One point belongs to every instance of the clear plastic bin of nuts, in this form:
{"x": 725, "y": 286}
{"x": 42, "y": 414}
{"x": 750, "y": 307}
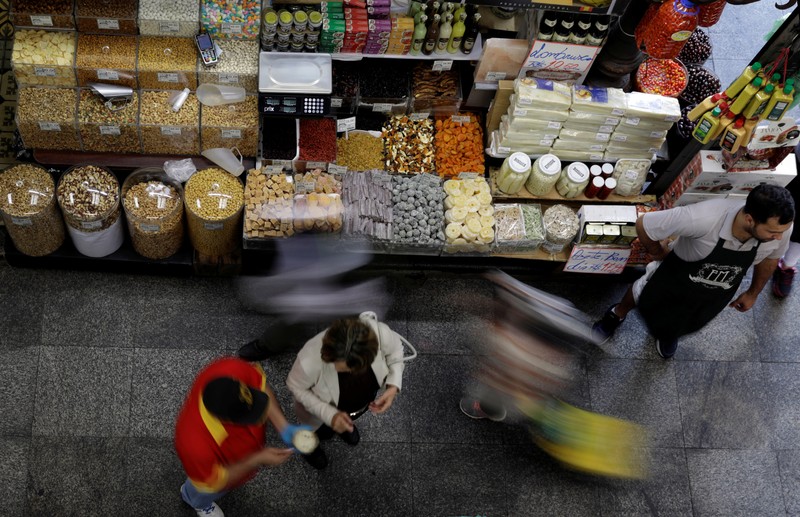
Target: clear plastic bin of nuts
{"x": 49, "y": 14}
{"x": 106, "y": 130}
{"x": 28, "y": 208}
{"x": 165, "y": 131}
{"x": 106, "y": 59}
{"x": 214, "y": 200}
{"x": 269, "y": 206}
{"x": 44, "y": 58}
{"x": 169, "y": 17}
{"x": 231, "y": 125}
{"x": 237, "y": 66}
{"x": 46, "y": 118}
{"x": 106, "y": 16}
{"x": 167, "y": 62}
{"x": 153, "y": 205}
{"x": 89, "y": 199}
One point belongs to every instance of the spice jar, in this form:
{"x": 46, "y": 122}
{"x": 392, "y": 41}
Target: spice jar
{"x": 154, "y": 210}
{"x": 513, "y": 173}
{"x": 214, "y": 200}
{"x": 28, "y": 208}
{"x": 573, "y": 180}
{"x": 544, "y": 175}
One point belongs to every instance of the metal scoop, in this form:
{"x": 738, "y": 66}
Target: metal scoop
{"x": 116, "y": 97}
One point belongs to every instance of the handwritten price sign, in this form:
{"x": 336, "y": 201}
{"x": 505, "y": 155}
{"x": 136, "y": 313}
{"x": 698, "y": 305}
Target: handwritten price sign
{"x": 601, "y": 261}
{"x": 558, "y": 61}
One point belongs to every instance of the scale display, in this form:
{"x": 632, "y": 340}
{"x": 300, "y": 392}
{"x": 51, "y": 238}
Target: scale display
{"x": 295, "y": 105}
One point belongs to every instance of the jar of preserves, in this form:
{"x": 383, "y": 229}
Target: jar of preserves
{"x": 544, "y": 175}
{"x": 710, "y": 13}
{"x": 666, "y": 27}
{"x": 574, "y": 178}
{"x": 514, "y": 173}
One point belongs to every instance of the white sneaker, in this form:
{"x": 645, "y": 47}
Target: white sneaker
{"x": 211, "y": 511}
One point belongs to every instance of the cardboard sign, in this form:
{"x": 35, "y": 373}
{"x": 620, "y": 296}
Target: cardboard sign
{"x": 558, "y": 61}
{"x": 597, "y": 260}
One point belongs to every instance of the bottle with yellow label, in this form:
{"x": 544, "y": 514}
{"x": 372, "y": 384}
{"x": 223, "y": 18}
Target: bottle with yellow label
{"x": 726, "y": 119}
{"x": 708, "y": 103}
{"x": 749, "y": 125}
{"x": 707, "y": 126}
{"x": 779, "y": 103}
{"x": 743, "y": 99}
{"x": 743, "y": 80}
{"x": 757, "y": 105}
{"x": 733, "y": 136}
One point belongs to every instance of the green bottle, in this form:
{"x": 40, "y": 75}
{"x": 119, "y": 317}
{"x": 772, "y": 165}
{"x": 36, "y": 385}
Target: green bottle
{"x": 458, "y": 33}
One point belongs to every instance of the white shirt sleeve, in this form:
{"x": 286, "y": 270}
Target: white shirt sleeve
{"x": 693, "y": 221}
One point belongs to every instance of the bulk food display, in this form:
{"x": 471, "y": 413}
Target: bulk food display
{"x": 269, "y": 200}
{"x": 166, "y": 131}
{"x": 367, "y": 198}
{"x": 417, "y": 214}
{"x": 43, "y": 58}
{"x": 106, "y": 16}
{"x": 231, "y": 19}
{"x": 173, "y": 18}
{"x": 214, "y": 201}
{"x": 46, "y": 118}
{"x": 106, "y": 59}
{"x": 106, "y": 129}
{"x": 47, "y": 14}
{"x": 469, "y": 216}
{"x": 154, "y": 210}
{"x": 28, "y": 208}
{"x": 89, "y": 199}
{"x": 232, "y": 125}
{"x": 408, "y": 145}
{"x": 360, "y": 150}
{"x": 434, "y": 91}
{"x": 167, "y": 62}
{"x": 459, "y": 145}
{"x": 237, "y": 66}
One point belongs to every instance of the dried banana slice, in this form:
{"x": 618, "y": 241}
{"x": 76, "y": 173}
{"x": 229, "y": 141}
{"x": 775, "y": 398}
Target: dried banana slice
{"x": 486, "y": 210}
{"x": 487, "y": 235}
{"x": 473, "y": 205}
{"x": 487, "y": 221}
{"x": 474, "y": 225}
{"x": 453, "y": 231}
{"x": 484, "y": 198}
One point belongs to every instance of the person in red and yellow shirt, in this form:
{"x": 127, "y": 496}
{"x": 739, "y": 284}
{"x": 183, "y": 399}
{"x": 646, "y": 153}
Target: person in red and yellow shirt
{"x": 220, "y": 434}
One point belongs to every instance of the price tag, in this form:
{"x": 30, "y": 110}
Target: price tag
{"x": 381, "y": 108}
{"x": 110, "y": 130}
{"x": 495, "y": 76}
{"x": 231, "y": 133}
{"x": 49, "y": 126}
{"x": 617, "y": 112}
{"x": 22, "y": 221}
{"x": 611, "y": 121}
{"x": 550, "y": 136}
{"x": 167, "y": 77}
{"x": 305, "y": 187}
{"x": 229, "y": 78}
{"x": 596, "y": 157}
{"x": 606, "y": 129}
{"x": 601, "y": 137}
{"x": 596, "y": 147}
{"x": 554, "y": 125}
{"x": 283, "y": 164}
{"x": 503, "y": 150}
{"x": 91, "y": 225}
{"x": 620, "y": 138}
{"x": 630, "y": 175}
{"x": 273, "y": 169}
{"x": 525, "y": 101}
{"x": 545, "y": 143}
{"x": 41, "y": 71}
{"x": 419, "y": 116}
{"x": 317, "y": 165}
{"x": 632, "y": 121}
{"x": 461, "y": 119}
{"x": 108, "y": 24}
{"x": 42, "y": 21}
{"x": 656, "y": 134}
{"x": 518, "y": 112}
{"x": 442, "y": 65}
{"x": 169, "y": 27}
{"x": 170, "y": 130}
{"x": 108, "y": 75}
{"x": 232, "y": 28}
{"x": 212, "y": 226}
{"x": 150, "y": 227}
{"x": 337, "y": 169}
{"x": 467, "y": 175}
{"x": 336, "y": 102}
{"x": 345, "y": 124}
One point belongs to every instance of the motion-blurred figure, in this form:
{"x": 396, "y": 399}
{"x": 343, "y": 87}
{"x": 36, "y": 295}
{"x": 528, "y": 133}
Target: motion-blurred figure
{"x": 308, "y": 286}
{"x": 529, "y": 363}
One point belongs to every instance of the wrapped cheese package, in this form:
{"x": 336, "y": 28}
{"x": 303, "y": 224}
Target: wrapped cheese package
{"x": 541, "y": 92}
{"x": 606, "y": 101}
{"x": 649, "y": 107}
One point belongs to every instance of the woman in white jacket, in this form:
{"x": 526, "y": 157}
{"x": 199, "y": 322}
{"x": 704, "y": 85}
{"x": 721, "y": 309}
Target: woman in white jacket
{"x": 338, "y": 373}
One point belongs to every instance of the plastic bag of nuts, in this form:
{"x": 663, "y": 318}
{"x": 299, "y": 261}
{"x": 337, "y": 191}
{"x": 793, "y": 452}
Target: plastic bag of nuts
{"x": 28, "y": 207}
{"x": 231, "y": 125}
{"x": 154, "y": 210}
{"x": 43, "y": 58}
{"x": 46, "y": 118}
{"x": 408, "y": 145}
{"x": 214, "y": 201}
{"x": 269, "y": 199}
{"x": 106, "y": 59}
{"x": 104, "y": 130}
{"x": 166, "y": 62}
{"x": 165, "y": 131}
{"x": 89, "y": 199}
{"x": 318, "y": 213}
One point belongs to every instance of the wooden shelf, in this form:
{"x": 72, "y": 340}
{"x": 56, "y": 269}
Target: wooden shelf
{"x": 126, "y": 161}
{"x": 535, "y": 255}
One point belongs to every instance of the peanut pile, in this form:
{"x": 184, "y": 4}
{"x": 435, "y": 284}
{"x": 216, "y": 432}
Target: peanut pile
{"x": 155, "y": 218}
{"x": 106, "y": 59}
{"x": 46, "y": 118}
{"x": 166, "y": 62}
{"x": 165, "y": 131}
{"x": 214, "y": 201}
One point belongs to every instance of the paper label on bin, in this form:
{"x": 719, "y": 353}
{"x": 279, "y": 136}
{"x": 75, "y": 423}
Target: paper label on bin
{"x": 442, "y": 65}
{"x": 305, "y": 187}
{"x": 273, "y": 169}
{"x": 467, "y": 175}
{"x": 317, "y": 165}
{"x": 170, "y": 130}
{"x": 49, "y": 126}
{"x": 109, "y": 130}
{"x": 381, "y": 107}
{"x": 42, "y": 21}
{"x": 22, "y": 221}
{"x": 212, "y": 226}
{"x": 169, "y": 27}
{"x": 336, "y": 102}
{"x": 231, "y": 28}
{"x": 41, "y": 71}
{"x": 91, "y": 225}
{"x": 109, "y": 24}
{"x": 108, "y": 75}
{"x": 495, "y": 76}
{"x": 229, "y": 78}
{"x": 337, "y": 169}
{"x": 231, "y": 133}
{"x": 283, "y": 164}
{"x": 150, "y": 227}
{"x": 461, "y": 119}
{"x": 167, "y": 77}
{"x": 345, "y": 124}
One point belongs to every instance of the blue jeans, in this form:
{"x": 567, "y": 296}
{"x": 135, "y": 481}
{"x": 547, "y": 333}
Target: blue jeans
{"x": 196, "y": 499}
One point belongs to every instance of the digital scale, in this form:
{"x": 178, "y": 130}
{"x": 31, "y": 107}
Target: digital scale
{"x": 294, "y": 84}
{"x": 296, "y": 105}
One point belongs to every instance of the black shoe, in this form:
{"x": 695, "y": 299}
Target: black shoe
{"x": 351, "y": 437}
{"x": 666, "y": 347}
{"x": 317, "y": 459}
{"x": 253, "y": 352}
{"x": 603, "y": 329}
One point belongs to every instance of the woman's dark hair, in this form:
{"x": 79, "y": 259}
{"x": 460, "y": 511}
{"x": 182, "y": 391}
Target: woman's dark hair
{"x": 767, "y": 201}
{"x": 352, "y": 341}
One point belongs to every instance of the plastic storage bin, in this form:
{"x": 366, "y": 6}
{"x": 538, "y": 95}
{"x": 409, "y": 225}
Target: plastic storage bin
{"x": 46, "y": 118}
{"x": 345, "y": 92}
{"x": 435, "y": 92}
{"x": 28, "y": 208}
{"x": 165, "y": 131}
{"x": 106, "y": 59}
{"x": 43, "y": 58}
{"x": 231, "y": 19}
{"x": 231, "y": 125}
{"x": 53, "y": 14}
{"x": 269, "y": 213}
{"x": 237, "y": 66}
{"x": 174, "y": 18}
{"x": 89, "y": 199}
{"x": 104, "y": 130}
{"x": 214, "y": 201}
{"x": 167, "y": 63}
{"x": 106, "y": 16}
{"x": 153, "y": 205}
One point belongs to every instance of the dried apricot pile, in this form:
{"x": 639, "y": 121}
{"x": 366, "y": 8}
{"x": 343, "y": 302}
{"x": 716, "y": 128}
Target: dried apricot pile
{"x": 459, "y": 145}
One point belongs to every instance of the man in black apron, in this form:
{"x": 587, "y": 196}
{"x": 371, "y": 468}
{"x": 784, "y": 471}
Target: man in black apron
{"x": 691, "y": 284}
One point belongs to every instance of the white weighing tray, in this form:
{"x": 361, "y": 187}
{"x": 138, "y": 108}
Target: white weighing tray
{"x": 294, "y": 73}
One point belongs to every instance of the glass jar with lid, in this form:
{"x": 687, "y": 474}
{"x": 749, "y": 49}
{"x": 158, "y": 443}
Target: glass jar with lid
{"x": 28, "y": 207}
{"x": 544, "y": 175}
{"x": 513, "y": 173}
{"x": 153, "y": 204}
{"x": 574, "y": 178}
{"x": 214, "y": 200}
